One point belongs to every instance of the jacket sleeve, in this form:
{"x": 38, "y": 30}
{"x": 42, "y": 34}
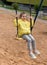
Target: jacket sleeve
{"x": 14, "y": 22}
{"x": 32, "y": 23}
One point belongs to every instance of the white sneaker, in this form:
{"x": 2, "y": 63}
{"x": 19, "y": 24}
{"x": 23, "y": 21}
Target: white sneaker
{"x": 33, "y": 56}
{"x": 37, "y": 52}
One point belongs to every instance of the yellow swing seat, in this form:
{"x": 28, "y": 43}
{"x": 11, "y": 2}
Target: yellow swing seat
{"x": 18, "y": 38}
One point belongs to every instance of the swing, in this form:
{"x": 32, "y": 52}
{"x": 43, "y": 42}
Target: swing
{"x": 19, "y": 38}
{"x": 16, "y": 23}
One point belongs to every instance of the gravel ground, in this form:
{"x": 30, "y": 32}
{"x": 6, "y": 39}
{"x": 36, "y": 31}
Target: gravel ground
{"x": 15, "y": 52}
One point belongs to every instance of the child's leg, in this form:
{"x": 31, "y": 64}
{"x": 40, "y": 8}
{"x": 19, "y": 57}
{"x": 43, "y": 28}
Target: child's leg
{"x": 26, "y": 37}
{"x": 34, "y": 44}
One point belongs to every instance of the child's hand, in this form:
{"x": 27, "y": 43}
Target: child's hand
{"x": 30, "y": 17}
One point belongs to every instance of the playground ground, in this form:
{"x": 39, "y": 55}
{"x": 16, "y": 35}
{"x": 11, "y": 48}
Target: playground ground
{"x": 15, "y": 52}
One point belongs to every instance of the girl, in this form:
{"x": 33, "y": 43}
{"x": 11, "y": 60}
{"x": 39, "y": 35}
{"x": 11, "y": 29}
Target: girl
{"x": 25, "y": 33}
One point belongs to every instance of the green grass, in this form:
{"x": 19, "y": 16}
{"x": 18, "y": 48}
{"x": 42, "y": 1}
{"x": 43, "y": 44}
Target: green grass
{"x": 35, "y": 2}
{"x": 9, "y": 7}
{"x": 33, "y": 13}
{"x": 44, "y": 17}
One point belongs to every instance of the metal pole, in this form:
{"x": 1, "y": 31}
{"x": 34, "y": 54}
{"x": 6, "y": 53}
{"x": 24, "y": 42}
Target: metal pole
{"x": 17, "y": 22}
{"x": 30, "y": 19}
{"x": 38, "y": 10}
{"x": 30, "y": 15}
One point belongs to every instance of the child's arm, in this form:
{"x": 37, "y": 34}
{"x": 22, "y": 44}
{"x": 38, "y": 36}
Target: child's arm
{"x": 15, "y": 21}
{"x": 31, "y": 20}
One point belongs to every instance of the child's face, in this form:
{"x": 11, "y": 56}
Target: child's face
{"x": 24, "y": 16}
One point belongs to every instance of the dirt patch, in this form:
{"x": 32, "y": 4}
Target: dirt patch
{"x": 15, "y": 52}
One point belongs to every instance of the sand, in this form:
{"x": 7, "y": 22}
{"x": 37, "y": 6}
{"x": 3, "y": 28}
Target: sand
{"x": 15, "y": 52}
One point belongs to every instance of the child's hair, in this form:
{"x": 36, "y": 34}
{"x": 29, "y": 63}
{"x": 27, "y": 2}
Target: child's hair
{"x": 21, "y": 14}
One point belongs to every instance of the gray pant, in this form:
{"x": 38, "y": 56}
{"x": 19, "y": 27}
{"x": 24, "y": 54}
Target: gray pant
{"x": 31, "y": 41}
